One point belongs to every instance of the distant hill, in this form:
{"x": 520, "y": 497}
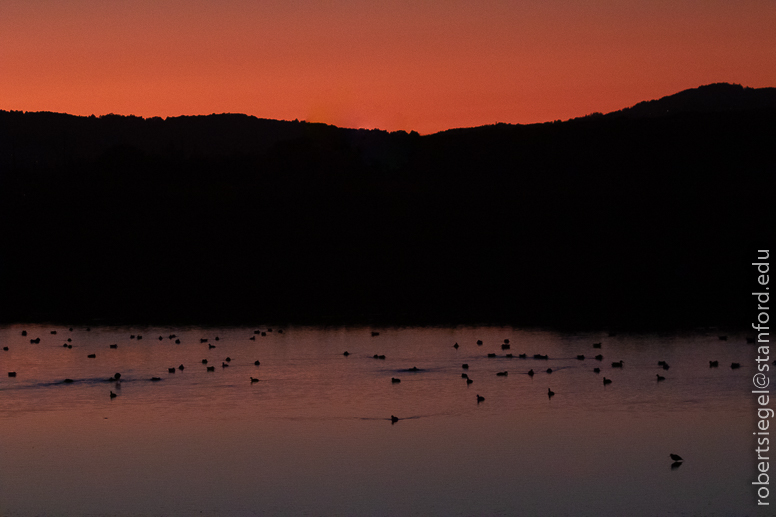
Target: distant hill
{"x": 648, "y": 217}
{"x": 717, "y": 97}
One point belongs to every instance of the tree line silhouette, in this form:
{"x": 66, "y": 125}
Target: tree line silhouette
{"x": 648, "y": 217}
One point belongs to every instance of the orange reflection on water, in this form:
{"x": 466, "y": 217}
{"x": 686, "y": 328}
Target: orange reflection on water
{"x": 314, "y": 434}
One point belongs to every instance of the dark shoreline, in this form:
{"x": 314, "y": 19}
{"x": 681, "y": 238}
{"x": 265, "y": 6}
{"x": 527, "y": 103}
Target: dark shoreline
{"x": 645, "y": 218}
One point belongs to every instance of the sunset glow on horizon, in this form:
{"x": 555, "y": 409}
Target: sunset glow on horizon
{"x": 424, "y": 65}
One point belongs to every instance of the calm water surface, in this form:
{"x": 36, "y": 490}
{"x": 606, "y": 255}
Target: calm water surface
{"x": 314, "y": 436}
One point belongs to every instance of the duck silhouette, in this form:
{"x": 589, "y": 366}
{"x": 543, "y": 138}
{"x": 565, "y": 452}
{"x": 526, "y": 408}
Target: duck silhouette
{"x": 660, "y": 377}
{"x": 480, "y": 399}
{"x": 550, "y": 393}
{"x": 607, "y": 381}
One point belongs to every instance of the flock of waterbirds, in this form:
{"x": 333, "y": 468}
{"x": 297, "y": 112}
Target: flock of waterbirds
{"x": 116, "y": 378}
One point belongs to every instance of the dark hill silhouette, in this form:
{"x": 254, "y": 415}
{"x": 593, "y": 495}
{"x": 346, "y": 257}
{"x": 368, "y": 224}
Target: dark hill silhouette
{"x": 705, "y": 99}
{"x": 647, "y": 221}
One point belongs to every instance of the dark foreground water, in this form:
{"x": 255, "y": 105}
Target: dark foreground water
{"x": 314, "y": 435}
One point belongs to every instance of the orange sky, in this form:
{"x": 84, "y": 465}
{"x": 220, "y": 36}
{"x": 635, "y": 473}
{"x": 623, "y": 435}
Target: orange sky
{"x": 416, "y": 64}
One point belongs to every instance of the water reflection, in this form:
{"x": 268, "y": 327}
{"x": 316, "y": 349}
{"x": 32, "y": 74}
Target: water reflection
{"x": 312, "y": 436}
